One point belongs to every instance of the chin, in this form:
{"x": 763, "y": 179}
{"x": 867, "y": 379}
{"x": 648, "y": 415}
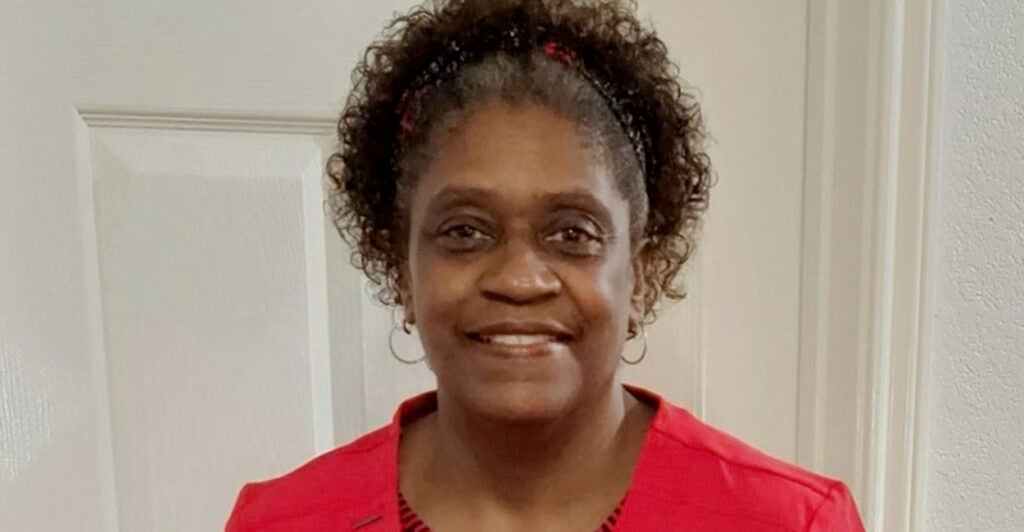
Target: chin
{"x": 521, "y": 403}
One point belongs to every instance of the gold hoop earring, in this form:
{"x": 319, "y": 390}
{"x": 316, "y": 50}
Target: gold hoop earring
{"x": 643, "y": 353}
{"x": 391, "y": 344}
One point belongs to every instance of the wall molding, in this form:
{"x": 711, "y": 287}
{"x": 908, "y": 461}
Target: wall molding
{"x": 199, "y": 120}
{"x": 97, "y": 343}
{"x": 872, "y": 127}
{"x": 913, "y": 100}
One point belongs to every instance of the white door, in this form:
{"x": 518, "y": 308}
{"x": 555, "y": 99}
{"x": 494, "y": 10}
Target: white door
{"x": 177, "y": 318}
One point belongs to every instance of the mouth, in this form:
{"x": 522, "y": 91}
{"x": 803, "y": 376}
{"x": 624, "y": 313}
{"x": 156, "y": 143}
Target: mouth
{"x": 518, "y": 340}
{"x": 521, "y": 338}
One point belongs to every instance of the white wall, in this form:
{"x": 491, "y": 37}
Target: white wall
{"x": 976, "y": 457}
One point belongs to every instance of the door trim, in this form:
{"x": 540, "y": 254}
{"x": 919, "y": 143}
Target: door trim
{"x": 208, "y": 120}
{"x": 872, "y": 132}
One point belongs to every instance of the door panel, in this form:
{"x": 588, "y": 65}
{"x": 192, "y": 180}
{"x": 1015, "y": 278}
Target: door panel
{"x": 203, "y": 285}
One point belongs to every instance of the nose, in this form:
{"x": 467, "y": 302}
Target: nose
{"x": 519, "y": 276}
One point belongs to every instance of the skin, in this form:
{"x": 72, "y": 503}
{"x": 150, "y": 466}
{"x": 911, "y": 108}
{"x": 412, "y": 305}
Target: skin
{"x": 515, "y": 226}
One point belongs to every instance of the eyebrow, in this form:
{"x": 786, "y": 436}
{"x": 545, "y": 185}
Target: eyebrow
{"x": 579, "y": 199}
{"x": 457, "y": 196}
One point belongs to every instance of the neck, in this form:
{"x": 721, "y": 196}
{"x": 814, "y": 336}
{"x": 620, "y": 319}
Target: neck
{"x": 520, "y": 466}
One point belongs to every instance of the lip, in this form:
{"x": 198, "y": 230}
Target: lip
{"x": 557, "y": 336}
{"x": 558, "y": 332}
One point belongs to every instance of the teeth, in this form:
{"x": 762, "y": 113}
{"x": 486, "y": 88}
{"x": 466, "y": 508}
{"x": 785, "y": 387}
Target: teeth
{"x": 518, "y": 339}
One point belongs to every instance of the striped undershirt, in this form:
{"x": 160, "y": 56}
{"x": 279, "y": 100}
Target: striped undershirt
{"x": 412, "y": 523}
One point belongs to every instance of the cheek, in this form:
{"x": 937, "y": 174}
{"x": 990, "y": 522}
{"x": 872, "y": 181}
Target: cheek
{"x": 438, "y": 286}
{"x": 602, "y": 294}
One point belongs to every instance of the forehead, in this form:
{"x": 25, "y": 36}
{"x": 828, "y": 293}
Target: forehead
{"x": 518, "y": 151}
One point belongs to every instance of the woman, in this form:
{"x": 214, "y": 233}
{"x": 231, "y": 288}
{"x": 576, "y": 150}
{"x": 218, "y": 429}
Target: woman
{"x": 524, "y": 179}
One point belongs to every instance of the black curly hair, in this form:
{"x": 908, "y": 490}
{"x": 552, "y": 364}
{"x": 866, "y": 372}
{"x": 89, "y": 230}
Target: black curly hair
{"x": 589, "y": 59}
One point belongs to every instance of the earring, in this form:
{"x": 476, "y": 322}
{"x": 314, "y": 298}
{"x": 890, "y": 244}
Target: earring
{"x": 633, "y": 334}
{"x": 391, "y": 344}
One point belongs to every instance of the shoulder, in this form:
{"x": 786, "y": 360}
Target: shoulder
{"x": 321, "y": 491}
{"x": 690, "y": 468}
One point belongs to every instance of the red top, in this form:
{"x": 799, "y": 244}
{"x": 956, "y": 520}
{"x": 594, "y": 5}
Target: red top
{"x": 690, "y": 476}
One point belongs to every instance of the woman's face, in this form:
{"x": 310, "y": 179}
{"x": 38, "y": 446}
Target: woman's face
{"x": 519, "y": 275}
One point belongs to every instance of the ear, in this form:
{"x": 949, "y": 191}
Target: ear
{"x": 636, "y": 300}
{"x": 405, "y": 294}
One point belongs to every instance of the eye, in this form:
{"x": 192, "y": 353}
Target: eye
{"x": 577, "y": 239}
{"x": 463, "y": 231}
{"x": 463, "y": 237}
{"x": 573, "y": 235}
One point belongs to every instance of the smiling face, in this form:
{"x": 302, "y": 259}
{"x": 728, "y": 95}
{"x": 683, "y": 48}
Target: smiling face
{"x": 519, "y": 274}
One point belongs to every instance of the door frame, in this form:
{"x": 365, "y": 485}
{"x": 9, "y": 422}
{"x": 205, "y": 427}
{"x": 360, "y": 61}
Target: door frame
{"x": 872, "y": 139}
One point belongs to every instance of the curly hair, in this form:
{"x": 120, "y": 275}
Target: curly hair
{"x": 436, "y": 59}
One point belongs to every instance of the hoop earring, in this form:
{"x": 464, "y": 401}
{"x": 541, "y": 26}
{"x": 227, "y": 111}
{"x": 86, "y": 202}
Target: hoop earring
{"x": 391, "y": 345}
{"x": 643, "y": 353}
